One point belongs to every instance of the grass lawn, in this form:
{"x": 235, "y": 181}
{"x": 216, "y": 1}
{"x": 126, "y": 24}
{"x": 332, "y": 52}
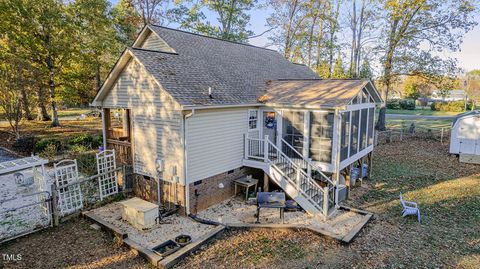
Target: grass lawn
{"x": 40, "y": 130}
{"x": 422, "y": 112}
{"x": 422, "y": 123}
{"x": 69, "y": 112}
{"x": 448, "y": 194}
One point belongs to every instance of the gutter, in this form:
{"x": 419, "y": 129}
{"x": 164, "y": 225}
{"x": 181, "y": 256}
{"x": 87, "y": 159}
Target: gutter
{"x": 189, "y": 107}
{"x": 185, "y": 161}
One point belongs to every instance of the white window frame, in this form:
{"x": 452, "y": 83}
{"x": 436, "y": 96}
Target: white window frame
{"x": 250, "y": 120}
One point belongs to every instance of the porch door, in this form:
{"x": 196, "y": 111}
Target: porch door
{"x": 269, "y": 125}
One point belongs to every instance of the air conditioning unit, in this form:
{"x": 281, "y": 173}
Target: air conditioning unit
{"x": 139, "y": 213}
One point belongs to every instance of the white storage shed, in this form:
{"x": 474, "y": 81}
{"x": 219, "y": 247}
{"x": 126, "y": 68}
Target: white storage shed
{"x": 465, "y": 135}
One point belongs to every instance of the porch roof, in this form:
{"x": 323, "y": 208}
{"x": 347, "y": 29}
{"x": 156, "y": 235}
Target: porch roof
{"x": 331, "y": 93}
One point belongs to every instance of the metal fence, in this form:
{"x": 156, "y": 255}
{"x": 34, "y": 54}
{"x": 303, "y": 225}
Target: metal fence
{"x": 63, "y": 190}
{"x": 399, "y": 134}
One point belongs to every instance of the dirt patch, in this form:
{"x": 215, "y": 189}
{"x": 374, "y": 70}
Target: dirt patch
{"x": 74, "y": 245}
{"x": 262, "y": 248}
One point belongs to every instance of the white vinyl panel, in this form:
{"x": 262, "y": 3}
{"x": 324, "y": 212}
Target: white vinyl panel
{"x": 215, "y": 142}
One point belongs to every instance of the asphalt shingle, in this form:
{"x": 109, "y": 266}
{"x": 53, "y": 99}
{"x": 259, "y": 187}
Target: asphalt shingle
{"x": 237, "y": 73}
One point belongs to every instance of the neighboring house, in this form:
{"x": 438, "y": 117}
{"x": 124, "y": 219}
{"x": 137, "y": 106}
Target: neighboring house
{"x": 199, "y": 112}
{"x": 452, "y": 95}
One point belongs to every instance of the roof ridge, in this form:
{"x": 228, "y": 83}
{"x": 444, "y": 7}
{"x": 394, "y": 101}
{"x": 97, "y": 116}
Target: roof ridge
{"x": 216, "y": 38}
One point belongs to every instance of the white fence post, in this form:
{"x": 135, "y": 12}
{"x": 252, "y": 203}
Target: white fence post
{"x": 325, "y": 203}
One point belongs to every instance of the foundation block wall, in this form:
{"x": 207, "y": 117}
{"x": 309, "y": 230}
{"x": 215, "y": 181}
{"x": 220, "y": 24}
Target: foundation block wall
{"x": 207, "y": 192}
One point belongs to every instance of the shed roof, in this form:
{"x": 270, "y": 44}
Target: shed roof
{"x": 464, "y": 115}
{"x": 317, "y": 93}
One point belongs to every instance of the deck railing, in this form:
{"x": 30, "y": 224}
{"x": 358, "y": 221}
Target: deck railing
{"x": 293, "y": 170}
{"x": 123, "y": 150}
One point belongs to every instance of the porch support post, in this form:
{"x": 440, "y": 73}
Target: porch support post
{"x": 265, "y": 149}
{"x": 245, "y": 148}
{"x": 105, "y": 125}
{"x": 265, "y": 182}
{"x": 337, "y": 153}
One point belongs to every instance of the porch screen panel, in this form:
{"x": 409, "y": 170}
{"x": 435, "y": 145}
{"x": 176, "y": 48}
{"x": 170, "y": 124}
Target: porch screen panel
{"x": 321, "y": 133}
{"x": 354, "y": 132}
{"x": 344, "y": 135}
{"x": 293, "y": 128}
{"x": 371, "y": 126}
{"x": 363, "y": 129}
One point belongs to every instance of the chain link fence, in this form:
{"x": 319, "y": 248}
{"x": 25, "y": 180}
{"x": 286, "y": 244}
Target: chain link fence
{"x": 399, "y": 134}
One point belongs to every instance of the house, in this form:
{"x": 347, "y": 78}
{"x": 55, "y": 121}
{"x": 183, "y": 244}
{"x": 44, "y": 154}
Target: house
{"x": 452, "y": 95}
{"x": 465, "y": 136}
{"x": 196, "y": 112}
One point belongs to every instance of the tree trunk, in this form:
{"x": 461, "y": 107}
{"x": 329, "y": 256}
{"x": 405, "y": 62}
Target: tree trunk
{"x": 26, "y": 105}
{"x": 51, "y": 83}
{"x": 42, "y": 109}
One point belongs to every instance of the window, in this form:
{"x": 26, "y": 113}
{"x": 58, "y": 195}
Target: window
{"x": 293, "y": 126}
{"x": 321, "y": 133}
{"x": 354, "y": 132}
{"x": 344, "y": 135}
{"x": 252, "y": 119}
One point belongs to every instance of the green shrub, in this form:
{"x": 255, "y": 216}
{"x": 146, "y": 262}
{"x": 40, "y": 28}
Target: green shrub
{"x": 408, "y": 104}
{"x": 454, "y": 106}
{"x": 49, "y": 152}
{"x": 393, "y": 104}
{"x": 97, "y": 141}
{"x": 82, "y": 139}
{"x": 42, "y": 144}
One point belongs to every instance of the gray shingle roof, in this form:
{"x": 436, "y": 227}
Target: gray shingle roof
{"x": 237, "y": 73}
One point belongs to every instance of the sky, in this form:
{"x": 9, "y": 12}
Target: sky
{"x": 468, "y": 57}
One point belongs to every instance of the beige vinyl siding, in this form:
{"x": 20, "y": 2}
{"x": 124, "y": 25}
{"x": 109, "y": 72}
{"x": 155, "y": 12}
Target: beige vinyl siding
{"x": 154, "y": 42}
{"x": 214, "y": 141}
{"x": 156, "y": 120}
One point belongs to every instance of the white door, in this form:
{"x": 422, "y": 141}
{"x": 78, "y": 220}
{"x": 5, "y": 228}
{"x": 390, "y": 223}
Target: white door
{"x": 269, "y": 125}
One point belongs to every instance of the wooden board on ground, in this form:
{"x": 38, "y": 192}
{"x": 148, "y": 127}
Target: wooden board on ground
{"x": 470, "y": 158}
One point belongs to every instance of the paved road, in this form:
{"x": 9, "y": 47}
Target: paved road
{"x": 418, "y": 117}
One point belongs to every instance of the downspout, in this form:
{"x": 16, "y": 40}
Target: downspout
{"x": 104, "y": 131}
{"x": 185, "y": 162}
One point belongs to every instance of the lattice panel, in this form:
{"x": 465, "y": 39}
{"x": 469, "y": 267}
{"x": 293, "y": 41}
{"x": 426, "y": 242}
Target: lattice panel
{"x": 106, "y": 167}
{"x": 69, "y": 194}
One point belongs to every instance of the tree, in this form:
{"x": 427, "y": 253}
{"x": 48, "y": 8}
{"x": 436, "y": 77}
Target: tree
{"x": 126, "y": 21}
{"x": 150, "y": 10}
{"x": 473, "y": 87}
{"x": 97, "y": 38}
{"x": 366, "y": 70}
{"x": 338, "y": 69}
{"x": 13, "y": 76}
{"x": 438, "y": 24}
{"x": 232, "y": 16}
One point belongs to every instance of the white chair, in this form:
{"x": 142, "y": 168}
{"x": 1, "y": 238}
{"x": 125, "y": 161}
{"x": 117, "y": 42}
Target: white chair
{"x": 409, "y": 208}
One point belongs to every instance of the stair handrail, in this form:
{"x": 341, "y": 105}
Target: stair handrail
{"x": 308, "y": 162}
{"x": 294, "y": 164}
{"x": 300, "y": 170}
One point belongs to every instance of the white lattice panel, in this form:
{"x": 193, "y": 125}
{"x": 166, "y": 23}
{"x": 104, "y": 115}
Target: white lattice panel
{"x": 106, "y": 167}
{"x": 69, "y": 194}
